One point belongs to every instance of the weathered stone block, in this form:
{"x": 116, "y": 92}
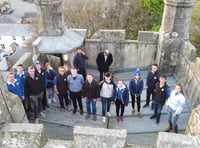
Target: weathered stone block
{"x": 88, "y": 137}
{"x": 193, "y": 127}
{"x": 172, "y": 140}
{"x": 23, "y": 136}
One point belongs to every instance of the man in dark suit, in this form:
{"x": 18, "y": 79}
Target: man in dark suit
{"x": 104, "y": 60}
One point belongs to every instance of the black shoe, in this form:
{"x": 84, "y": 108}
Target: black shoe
{"x": 152, "y": 117}
{"x": 74, "y": 111}
{"x": 146, "y": 105}
{"x": 81, "y": 112}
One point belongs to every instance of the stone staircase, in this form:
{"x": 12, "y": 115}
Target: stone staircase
{"x": 60, "y": 124}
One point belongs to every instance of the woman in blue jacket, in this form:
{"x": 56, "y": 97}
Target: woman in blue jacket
{"x": 136, "y": 88}
{"x": 121, "y": 99}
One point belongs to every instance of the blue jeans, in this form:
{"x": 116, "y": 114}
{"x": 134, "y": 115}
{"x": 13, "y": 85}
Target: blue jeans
{"x": 157, "y": 110}
{"x": 106, "y": 102}
{"x": 50, "y": 92}
{"x": 171, "y": 118}
{"x": 93, "y": 103}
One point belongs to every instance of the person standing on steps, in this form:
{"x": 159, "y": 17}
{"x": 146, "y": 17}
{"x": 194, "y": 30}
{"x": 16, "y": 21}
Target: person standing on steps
{"x": 136, "y": 88}
{"x": 107, "y": 94}
{"x": 104, "y": 60}
{"x": 161, "y": 93}
{"x": 34, "y": 89}
{"x": 42, "y": 73}
{"x": 174, "y": 107}
{"x": 50, "y": 75}
{"x": 151, "y": 80}
{"x": 121, "y": 100}
{"x": 61, "y": 88}
{"x": 91, "y": 93}
{"x": 75, "y": 82}
{"x": 79, "y": 62}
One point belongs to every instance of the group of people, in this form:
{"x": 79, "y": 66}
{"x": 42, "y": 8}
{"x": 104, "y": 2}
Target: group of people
{"x": 38, "y": 85}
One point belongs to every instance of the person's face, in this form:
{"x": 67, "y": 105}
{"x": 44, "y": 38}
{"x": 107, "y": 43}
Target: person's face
{"x": 66, "y": 68}
{"x": 177, "y": 89}
{"x": 61, "y": 71}
{"x": 120, "y": 83}
{"x": 137, "y": 77}
{"x": 79, "y": 51}
{"x": 19, "y": 69}
{"x": 89, "y": 78}
{"x": 31, "y": 72}
{"x": 108, "y": 78}
{"x": 11, "y": 77}
{"x": 154, "y": 68}
{"x": 38, "y": 66}
{"x": 162, "y": 80}
{"x": 74, "y": 72}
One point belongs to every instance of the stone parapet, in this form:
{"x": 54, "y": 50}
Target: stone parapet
{"x": 172, "y": 140}
{"x": 99, "y": 137}
{"x": 23, "y": 136}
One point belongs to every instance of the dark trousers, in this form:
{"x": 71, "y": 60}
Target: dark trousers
{"x": 36, "y": 102}
{"x": 44, "y": 100}
{"x": 119, "y": 104}
{"x": 83, "y": 73}
{"x": 149, "y": 93}
{"x": 137, "y": 98}
{"x": 101, "y": 75}
{"x": 62, "y": 97}
{"x": 77, "y": 97}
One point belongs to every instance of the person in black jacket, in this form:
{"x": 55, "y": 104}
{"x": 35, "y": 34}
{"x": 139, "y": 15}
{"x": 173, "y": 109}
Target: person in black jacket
{"x": 151, "y": 80}
{"x": 42, "y": 73}
{"x": 61, "y": 88}
{"x": 104, "y": 60}
{"x": 79, "y": 62}
{"x": 90, "y": 93}
{"x": 34, "y": 90}
{"x": 161, "y": 93}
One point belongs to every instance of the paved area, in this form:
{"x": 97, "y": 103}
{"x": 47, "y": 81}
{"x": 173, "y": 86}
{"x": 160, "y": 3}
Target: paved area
{"x": 143, "y": 129}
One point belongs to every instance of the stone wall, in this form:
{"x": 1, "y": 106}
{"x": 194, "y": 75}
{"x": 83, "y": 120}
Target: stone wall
{"x": 188, "y": 73}
{"x": 127, "y": 54}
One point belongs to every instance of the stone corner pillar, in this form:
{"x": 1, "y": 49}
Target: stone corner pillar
{"x": 175, "y": 26}
{"x": 51, "y": 17}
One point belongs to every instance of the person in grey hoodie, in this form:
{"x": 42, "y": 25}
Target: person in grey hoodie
{"x": 107, "y": 94}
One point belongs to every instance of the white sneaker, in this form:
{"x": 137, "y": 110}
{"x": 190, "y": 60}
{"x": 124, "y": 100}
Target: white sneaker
{"x": 42, "y": 114}
{"x": 49, "y": 101}
{"x": 104, "y": 119}
{"x": 54, "y": 100}
{"x": 108, "y": 114}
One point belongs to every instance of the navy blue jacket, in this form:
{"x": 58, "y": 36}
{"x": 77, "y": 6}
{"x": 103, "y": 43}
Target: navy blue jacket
{"x": 136, "y": 88}
{"x": 124, "y": 95}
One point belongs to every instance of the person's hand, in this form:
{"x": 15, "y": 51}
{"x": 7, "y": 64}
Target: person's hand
{"x": 83, "y": 52}
{"x": 166, "y": 108}
{"x": 174, "y": 115}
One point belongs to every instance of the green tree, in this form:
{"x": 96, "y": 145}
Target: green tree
{"x": 195, "y": 27}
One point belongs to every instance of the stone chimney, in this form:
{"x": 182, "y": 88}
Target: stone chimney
{"x": 174, "y": 31}
{"x": 51, "y": 17}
